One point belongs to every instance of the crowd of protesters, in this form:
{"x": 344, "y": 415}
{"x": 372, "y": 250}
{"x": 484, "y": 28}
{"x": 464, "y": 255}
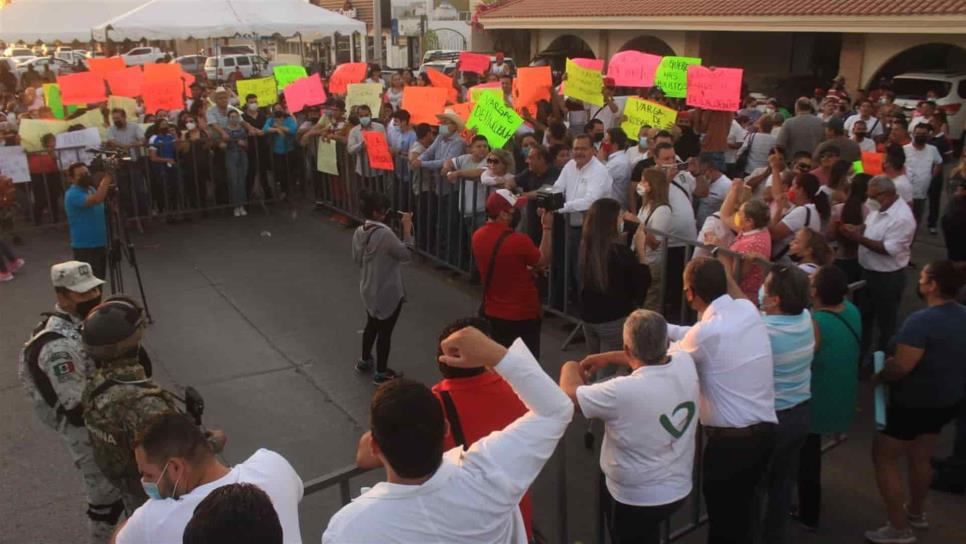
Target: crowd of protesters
{"x": 764, "y": 348}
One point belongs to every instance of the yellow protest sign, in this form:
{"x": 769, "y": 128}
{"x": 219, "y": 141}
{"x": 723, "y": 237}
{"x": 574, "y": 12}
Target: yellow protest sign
{"x": 644, "y": 112}
{"x": 493, "y": 119}
{"x": 129, "y": 105}
{"x": 584, "y": 85}
{"x": 92, "y": 119}
{"x": 475, "y": 92}
{"x": 263, "y": 88}
{"x": 31, "y": 130}
{"x": 369, "y": 94}
{"x": 326, "y": 161}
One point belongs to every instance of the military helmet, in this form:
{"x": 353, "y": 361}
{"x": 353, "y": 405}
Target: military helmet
{"x": 113, "y": 328}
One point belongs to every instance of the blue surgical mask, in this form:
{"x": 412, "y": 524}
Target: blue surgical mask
{"x": 443, "y": 130}
{"x": 151, "y": 489}
{"x": 642, "y": 141}
{"x": 364, "y": 121}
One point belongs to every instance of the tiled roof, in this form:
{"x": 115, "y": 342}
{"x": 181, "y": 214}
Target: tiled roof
{"x": 723, "y": 8}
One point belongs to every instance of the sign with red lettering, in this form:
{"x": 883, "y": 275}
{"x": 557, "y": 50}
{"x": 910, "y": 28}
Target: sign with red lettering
{"x": 474, "y": 62}
{"x": 303, "y": 92}
{"x": 378, "y": 150}
{"x": 714, "y": 88}
{"x": 81, "y": 88}
{"x": 633, "y": 68}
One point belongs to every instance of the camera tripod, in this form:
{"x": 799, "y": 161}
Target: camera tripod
{"x": 118, "y": 241}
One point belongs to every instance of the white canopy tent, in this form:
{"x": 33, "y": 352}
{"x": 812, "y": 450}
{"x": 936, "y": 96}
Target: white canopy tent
{"x": 52, "y": 20}
{"x": 202, "y": 19}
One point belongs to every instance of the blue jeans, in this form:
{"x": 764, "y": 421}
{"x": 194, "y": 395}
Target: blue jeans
{"x": 236, "y": 162}
{"x": 790, "y": 435}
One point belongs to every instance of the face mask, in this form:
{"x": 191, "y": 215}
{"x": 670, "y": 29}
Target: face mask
{"x": 620, "y": 227}
{"x": 761, "y": 298}
{"x": 640, "y": 190}
{"x": 873, "y": 204}
{"x": 190, "y": 126}
{"x": 860, "y": 135}
{"x": 233, "y": 120}
{"x": 443, "y": 130}
{"x": 139, "y": 109}
{"x": 252, "y": 106}
{"x": 642, "y": 141}
{"x": 152, "y": 490}
{"x": 599, "y": 137}
{"x": 84, "y": 308}
{"x": 364, "y": 121}
{"x": 792, "y": 195}
{"x": 738, "y": 220}
{"x": 920, "y": 140}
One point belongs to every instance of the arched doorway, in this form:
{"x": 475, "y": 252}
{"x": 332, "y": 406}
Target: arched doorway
{"x": 929, "y": 56}
{"x": 556, "y": 54}
{"x": 648, "y": 44}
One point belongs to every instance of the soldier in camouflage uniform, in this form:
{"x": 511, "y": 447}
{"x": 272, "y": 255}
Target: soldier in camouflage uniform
{"x": 54, "y": 370}
{"x": 119, "y": 397}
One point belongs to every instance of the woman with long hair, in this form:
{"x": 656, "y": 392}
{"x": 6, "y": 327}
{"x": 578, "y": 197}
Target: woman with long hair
{"x": 655, "y": 214}
{"x": 613, "y": 280}
{"x": 379, "y": 253}
{"x": 838, "y": 180}
{"x": 850, "y": 212}
{"x": 500, "y": 170}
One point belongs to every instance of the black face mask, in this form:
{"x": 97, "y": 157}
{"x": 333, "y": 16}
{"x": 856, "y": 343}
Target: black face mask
{"x": 920, "y": 140}
{"x": 86, "y": 180}
{"x": 84, "y": 308}
{"x": 599, "y": 137}
{"x": 860, "y": 134}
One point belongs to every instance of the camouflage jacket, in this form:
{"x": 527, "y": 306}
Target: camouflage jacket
{"x": 117, "y": 401}
{"x": 56, "y": 382}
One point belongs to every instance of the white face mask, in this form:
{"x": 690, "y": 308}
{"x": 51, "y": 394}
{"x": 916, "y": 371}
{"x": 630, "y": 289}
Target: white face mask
{"x": 640, "y": 190}
{"x": 252, "y": 106}
{"x": 190, "y": 126}
{"x": 873, "y": 204}
{"x": 620, "y": 226}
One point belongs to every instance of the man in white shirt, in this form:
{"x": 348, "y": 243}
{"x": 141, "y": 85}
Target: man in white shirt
{"x": 583, "y": 181}
{"x": 926, "y": 109}
{"x": 179, "y": 469}
{"x": 736, "y": 136}
{"x": 731, "y": 350}
{"x": 873, "y": 125}
{"x": 860, "y": 135}
{"x": 894, "y": 167}
{"x": 711, "y": 186}
{"x": 618, "y": 164}
{"x": 456, "y": 496}
{"x": 923, "y": 161}
{"x": 647, "y": 456}
{"x": 680, "y": 189}
{"x": 885, "y": 242}
{"x": 610, "y": 112}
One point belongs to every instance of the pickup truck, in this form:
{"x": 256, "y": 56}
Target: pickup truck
{"x": 142, "y": 55}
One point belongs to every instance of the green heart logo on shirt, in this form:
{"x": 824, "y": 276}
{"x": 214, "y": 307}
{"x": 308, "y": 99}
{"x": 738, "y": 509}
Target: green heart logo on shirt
{"x": 670, "y": 428}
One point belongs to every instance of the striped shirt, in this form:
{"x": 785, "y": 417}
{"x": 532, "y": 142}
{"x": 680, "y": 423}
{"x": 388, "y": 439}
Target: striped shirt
{"x": 792, "y": 345}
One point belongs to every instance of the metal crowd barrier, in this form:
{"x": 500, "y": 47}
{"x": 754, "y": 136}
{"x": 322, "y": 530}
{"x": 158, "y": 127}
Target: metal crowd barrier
{"x": 200, "y": 181}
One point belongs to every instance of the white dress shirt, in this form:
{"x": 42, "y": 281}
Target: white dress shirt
{"x": 619, "y": 167}
{"x": 903, "y": 188}
{"x": 643, "y": 461}
{"x": 872, "y": 125}
{"x": 732, "y": 352}
{"x": 582, "y": 187}
{"x": 895, "y": 228}
{"x": 919, "y": 166}
{"x": 163, "y": 521}
{"x": 473, "y": 496}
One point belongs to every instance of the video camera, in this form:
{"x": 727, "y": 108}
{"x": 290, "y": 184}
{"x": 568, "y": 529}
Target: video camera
{"x": 549, "y": 200}
{"x": 106, "y": 160}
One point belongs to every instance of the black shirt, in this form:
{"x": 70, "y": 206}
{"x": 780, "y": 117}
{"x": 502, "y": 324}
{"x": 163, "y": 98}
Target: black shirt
{"x": 627, "y": 283}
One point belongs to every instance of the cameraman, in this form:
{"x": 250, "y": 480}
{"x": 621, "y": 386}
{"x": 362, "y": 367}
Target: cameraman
{"x": 84, "y": 205}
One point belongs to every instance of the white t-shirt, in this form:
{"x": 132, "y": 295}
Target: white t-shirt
{"x": 649, "y": 417}
{"x": 163, "y": 521}
{"x": 660, "y": 220}
{"x": 803, "y": 216}
{"x": 682, "y": 213}
{"x": 736, "y": 135}
{"x": 919, "y": 165}
{"x": 717, "y": 191}
{"x": 903, "y": 188}
{"x": 867, "y": 145}
{"x": 714, "y": 225}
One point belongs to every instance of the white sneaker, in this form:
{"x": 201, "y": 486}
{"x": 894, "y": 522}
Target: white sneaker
{"x": 242, "y": 211}
{"x": 916, "y": 521}
{"x": 235, "y": 212}
{"x": 888, "y": 534}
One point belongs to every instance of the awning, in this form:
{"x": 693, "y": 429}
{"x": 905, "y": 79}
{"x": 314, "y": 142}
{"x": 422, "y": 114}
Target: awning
{"x": 200, "y": 19}
{"x": 52, "y": 20}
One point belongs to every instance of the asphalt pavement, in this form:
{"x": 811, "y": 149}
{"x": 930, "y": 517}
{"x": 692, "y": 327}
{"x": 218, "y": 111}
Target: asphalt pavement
{"x": 262, "y": 314}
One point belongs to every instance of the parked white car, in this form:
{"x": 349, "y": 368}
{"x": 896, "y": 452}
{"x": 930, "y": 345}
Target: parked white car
{"x": 19, "y": 53}
{"x": 947, "y": 89}
{"x": 142, "y": 55}
{"x": 220, "y": 68}
{"x": 57, "y": 66}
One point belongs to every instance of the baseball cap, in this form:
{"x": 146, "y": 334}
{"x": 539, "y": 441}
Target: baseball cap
{"x": 74, "y": 275}
{"x": 502, "y": 200}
